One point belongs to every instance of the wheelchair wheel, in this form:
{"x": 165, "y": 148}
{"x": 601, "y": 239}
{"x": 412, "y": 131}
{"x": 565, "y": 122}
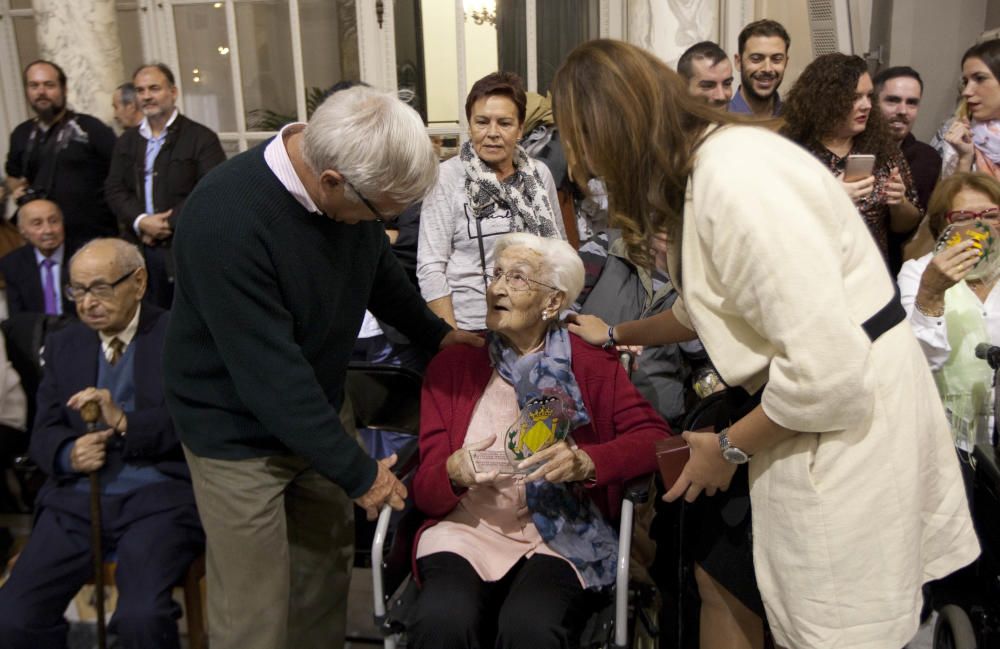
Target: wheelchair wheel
{"x": 953, "y": 630}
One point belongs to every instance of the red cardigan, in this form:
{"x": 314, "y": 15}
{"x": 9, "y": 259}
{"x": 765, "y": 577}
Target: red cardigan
{"x": 619, "y": 438}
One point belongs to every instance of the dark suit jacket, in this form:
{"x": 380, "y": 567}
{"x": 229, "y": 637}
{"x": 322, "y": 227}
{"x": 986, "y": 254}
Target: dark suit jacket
{"x": 70, "y": 365}
{"x": 24, "y": 283}
{"x": 188, "y": 153}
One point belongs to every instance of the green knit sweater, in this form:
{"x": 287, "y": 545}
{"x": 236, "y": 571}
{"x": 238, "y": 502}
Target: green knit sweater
{"x": 268, "y": 302}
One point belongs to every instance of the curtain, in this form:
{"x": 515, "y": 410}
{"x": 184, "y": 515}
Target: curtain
{"x": 512, "y": 42}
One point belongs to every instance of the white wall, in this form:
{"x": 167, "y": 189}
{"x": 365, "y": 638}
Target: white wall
{"x": 930, "y": 36}
{"x": 441, "y": 62}
{"x": 793, "y": 16}
{"x": 440, "y": 56}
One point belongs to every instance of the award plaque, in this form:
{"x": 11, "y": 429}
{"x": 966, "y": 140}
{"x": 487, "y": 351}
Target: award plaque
{"x": 491, "y": 460}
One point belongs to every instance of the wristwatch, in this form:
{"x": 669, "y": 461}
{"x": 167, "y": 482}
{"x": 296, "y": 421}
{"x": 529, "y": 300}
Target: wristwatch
{"x": 730, "y": 453}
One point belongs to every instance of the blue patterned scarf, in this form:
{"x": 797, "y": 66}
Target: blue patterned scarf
{"x": 568, "y": 521}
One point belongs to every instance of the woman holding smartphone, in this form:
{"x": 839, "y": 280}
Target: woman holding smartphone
{"x": 829, "y": 112}
{"x": 856, "y": 494}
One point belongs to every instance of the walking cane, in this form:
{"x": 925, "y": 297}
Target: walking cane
{"x": 91, "y": 413}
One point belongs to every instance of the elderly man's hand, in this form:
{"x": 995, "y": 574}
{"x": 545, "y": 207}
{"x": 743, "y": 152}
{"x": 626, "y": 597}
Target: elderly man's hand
{"x": 461, "y": 470}
{"x": 560, "y": 463}
{"x": 89, "y": 451}
{"x": 589, "y": 327}
{"x": 111, "y": 414}
{"x": 460, "y": 337}
{"x": 386, "y": 490}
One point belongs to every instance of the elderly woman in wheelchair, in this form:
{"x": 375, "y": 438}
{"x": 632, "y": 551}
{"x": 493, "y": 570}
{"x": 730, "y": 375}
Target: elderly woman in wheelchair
{"x": 525, "y": 447}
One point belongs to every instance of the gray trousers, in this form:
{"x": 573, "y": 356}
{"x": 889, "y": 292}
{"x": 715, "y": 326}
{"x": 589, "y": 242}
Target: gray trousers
{"x": 280, "y": 546}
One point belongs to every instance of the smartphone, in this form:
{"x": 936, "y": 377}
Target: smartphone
{"x": 671, "y": 456}
{"x": 859, "y": 165}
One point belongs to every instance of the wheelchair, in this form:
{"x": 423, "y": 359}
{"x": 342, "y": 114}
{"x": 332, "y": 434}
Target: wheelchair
{"x": 969, "y": 616}
{"x": 386, "y": 398}
{"x": 971, "y": 620}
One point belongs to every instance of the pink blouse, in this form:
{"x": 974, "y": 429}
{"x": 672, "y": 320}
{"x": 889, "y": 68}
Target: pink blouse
{"x": 491, "y": 527}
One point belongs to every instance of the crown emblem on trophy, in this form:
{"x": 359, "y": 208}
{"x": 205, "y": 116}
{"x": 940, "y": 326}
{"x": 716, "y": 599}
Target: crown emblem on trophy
{"x": 542, "y": 423}
{"x": 541, "y": 414}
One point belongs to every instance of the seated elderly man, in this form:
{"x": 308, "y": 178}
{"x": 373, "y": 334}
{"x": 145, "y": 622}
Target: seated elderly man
{"x": 509, "y": 433}
{"x": 35, "y": 273}
{"x": 113, "y": 357}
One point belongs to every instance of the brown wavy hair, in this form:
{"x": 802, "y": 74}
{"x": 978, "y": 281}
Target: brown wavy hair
{"x": 625, "y": 117}
{"x": 822, "y": 98}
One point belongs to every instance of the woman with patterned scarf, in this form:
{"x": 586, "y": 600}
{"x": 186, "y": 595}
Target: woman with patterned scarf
{"x": 953, "y": 303}
{"x": 970, "y": 141}
{"x": 491, "y": 188}
{"x": 525, "y": 447}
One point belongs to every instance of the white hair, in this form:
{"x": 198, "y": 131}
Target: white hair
{"x": 561, "y": 265}
{"x": 375, "y": 141}
{"x": 127, "y": 255}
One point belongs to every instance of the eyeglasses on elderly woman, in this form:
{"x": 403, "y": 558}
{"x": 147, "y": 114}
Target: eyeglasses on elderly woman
{"x": 516, "y": 280}
{"x": 963, "y": 216}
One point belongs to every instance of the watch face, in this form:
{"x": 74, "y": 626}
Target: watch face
{"x": 735, "y": 455}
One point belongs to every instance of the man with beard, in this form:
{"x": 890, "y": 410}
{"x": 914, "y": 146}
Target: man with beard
{"x": 153, "y": 170}
{"x": 708, "y": 72}
{"x": 763, "y": 55}
{"x": 899, "y": 90}
{"x": 63, "y": 155}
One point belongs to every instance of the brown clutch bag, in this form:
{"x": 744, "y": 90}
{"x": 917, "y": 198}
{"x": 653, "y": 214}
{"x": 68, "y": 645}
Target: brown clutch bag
{"x": 672, "y": 454}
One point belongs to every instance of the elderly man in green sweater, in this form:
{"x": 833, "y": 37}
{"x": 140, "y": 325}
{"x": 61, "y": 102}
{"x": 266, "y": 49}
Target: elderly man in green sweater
{"x": 279, "y": 252}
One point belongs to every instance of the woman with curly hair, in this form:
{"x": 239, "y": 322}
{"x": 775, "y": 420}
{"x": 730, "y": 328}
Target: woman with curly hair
{"x": 829, "y": 112}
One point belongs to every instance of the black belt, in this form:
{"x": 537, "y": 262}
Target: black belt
{"x": 740, "y": 402}
{"x": 887, "y": 317}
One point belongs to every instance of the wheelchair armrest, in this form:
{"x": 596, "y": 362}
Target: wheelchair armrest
{"x": 407, "y": 458}
{"x": 637, "y": 489}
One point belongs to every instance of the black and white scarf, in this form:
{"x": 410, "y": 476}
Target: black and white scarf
{"x": 523, "y": 195}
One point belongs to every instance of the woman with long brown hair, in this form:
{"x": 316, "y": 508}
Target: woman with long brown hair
{"x": 784, "y": 286}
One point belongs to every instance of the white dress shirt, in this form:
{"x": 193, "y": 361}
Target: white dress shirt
{"x": 932, "y": 333}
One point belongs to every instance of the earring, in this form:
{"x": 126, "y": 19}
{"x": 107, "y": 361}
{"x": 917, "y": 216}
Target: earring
{"x": 545, "y": 316}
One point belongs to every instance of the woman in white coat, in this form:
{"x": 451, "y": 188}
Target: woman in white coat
{"x": 856, "y": 494}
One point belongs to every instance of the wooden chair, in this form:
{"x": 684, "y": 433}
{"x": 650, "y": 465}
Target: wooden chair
{"x": 194, "y": 603}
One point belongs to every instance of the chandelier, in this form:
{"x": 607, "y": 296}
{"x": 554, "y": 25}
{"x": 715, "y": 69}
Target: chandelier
{"x": 481, "y": 11}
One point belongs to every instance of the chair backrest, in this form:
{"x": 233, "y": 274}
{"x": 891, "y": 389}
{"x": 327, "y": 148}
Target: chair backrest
{"x": 709, "y": 411}
{"x": 24, "y": 334}
{"x": 384, "y": 397}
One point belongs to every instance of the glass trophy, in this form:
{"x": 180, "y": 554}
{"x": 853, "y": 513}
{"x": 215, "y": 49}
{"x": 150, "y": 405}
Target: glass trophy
{"x": 978, "y": 231}
{"x": 542, "y": 422}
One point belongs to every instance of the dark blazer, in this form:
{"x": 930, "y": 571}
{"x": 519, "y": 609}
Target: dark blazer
{"x": 188, "y": 153}
{"x": 71, "y": 364}
{"x": 24, "y": 283}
